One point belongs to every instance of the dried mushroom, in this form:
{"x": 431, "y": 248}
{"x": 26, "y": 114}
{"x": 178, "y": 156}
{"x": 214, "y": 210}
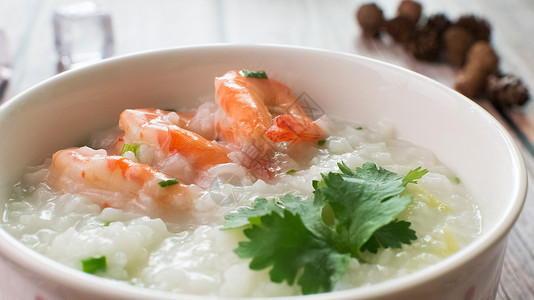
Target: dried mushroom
{"x": 371, "y": 19}
{"x": 463, "y": 43}
{"x": 410, "y": 10}
{"x": 481, "y": 62}
{"x": 507, "y": 89}
{"x": 457, "y": 42}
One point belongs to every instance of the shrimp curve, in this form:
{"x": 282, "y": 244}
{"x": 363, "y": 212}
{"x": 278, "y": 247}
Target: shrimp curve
{"x": 156, "y": 127}
{"x": 251, "y": 103}
{"x": 119, "y": 182}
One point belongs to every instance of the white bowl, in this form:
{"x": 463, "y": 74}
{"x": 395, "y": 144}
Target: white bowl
{"x": 62, "y": 111}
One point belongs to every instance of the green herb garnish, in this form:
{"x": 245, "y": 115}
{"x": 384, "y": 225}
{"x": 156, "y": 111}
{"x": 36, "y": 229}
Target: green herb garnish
{"x": 321, "y": 142}
{"x": 254, "y": 74}
{"x": 166, "y": 183}
{"x": 359, "y": 128}
{"x": 457, "y": 180}
{"x": 311, "y": 240}
{"x": 130, "y": 147}
{"x": 94, "y": 264}
{"x": 291, "y": 171}
{"x": 107, "y": 223}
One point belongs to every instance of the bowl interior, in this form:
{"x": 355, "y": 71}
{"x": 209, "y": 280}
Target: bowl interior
{"x": 63, "y": 111}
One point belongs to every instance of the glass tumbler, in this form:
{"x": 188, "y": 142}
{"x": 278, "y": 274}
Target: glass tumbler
{"x": 83, "y": 34}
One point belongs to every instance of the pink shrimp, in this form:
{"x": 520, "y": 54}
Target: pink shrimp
{"x": 250, "y": 104}
{"x": 160, "y": 116}
{"x": 119, "y": 182}
{"x": 154, "y": 127}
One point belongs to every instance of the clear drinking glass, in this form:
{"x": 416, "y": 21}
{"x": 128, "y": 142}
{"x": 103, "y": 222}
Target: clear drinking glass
{"x": 83, "y": 34}
{"x": 5, "y": 65}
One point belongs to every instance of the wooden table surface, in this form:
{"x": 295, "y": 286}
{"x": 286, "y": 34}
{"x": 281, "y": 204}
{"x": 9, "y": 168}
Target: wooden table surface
{"x": 144, "y": 25}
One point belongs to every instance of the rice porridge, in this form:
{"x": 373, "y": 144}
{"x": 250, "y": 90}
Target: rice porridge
{"x": 181, "y": 245}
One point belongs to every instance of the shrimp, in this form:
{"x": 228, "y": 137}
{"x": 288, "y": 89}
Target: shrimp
{"x": 157, "y": 128}
{"x": 160, "y": 116}
{"x": 199, "y": 121}
{"x": 118, "y": 182}
{"x": 251, "y": 103}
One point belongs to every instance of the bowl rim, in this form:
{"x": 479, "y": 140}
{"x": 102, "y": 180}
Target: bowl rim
{"x": 44, "y": 266}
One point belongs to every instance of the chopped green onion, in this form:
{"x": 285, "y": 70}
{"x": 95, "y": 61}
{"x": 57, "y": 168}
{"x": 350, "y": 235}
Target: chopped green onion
{"x": 166, "y": 183}
{"x": 321, "y": 142}
{"x": 133, "y": 147}
{"x": 94, "y": 264}
{"x": 254, "y": 74}
{"x": 291, "y": 171}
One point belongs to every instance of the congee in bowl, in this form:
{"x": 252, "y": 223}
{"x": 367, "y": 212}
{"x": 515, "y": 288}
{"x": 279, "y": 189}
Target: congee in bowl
{"x": 252, "y": 178}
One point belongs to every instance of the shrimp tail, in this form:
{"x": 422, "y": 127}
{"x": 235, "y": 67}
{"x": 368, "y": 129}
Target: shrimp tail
{"x": 288, "y": 128}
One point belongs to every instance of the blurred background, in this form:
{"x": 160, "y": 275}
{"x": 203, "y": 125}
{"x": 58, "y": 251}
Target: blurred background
{"x": 28, "y": 54}
{"x": 140, "y": 25}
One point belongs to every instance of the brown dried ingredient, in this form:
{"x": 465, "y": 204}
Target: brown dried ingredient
{"x": 424, "y": 44}
{"x": 478, "y": 27}
{"x": 457, "y": 42}
{"x": 481, "y": 62}
{"x": 371, "y": 19}
{"x": 410, "y": 10}
{"x": 400, "y": 29}
{"x": 438, "y": 22}
{"x": 507, "y": 89}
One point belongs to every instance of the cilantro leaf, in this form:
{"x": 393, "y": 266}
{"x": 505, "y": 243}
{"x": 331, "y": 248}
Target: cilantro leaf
{"x": 413, "y": 175}
{"x": 345, "y": 169}
{"x": 290, "y": 251}
{"x": 392, "y": 235}
{"x": 310, "y": 241}
{"x": 309, "y": 211}
{"x": 245, "y": 216}
{"x": 361, "y": 202}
